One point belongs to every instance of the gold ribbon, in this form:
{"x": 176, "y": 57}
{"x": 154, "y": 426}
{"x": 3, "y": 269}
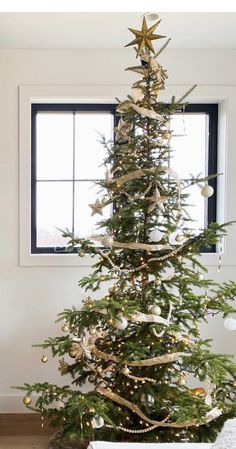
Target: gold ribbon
{"x": 167, "y": 358}
{"x": 213, "y": 414}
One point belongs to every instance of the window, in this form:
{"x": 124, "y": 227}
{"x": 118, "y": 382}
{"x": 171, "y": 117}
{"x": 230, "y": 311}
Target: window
{"x": 66, "y": 163}
{"x": 67, "y": 156}
{"x": 194, "y": 143}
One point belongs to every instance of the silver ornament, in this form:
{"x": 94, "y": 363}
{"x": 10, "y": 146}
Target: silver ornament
{"x": 121, "y": 323}
{"x": 150, "y": 399}
{"x": 97, "y": 422}
{"x": 154, "y": 310}
{"x": 230, "y": 324}
{"x": 107, "y": 240}
{"x": 155, "y": 235}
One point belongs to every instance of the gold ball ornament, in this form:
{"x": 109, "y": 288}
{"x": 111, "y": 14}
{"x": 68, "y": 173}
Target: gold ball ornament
{"x": 73, "y": 354}
{"x": 81, "y": 253}
{"x": 27, "y": 400}
{"x": 200, "y": 391}
{"x": 65, "y": 328}
{"x": 166, "y": 135}
{"x": 74, "y": 350}
{"x": 44, "y": 359}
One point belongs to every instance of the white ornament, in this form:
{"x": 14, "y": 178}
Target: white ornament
{"x": 125, "y": 371}
{"x": 154, "y": 310}
{"x": 121, "y": 323}
{"x": 155, "y": 235}
{"x": 97, "y": 422}
{"x": 150, "y": 399}
{"x": 107, "y": 240}
{"x": 207, "y": 191}
{"x": 230, "y": 324}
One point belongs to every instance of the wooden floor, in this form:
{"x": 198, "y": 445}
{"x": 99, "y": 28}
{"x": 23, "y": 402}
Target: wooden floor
{"x": 23, "y": 442}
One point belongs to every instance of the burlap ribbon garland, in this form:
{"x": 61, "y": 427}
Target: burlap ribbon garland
{"x": 132, "y": 245}
{"x": 210, "y": 416}
{"x": 162, "y": 359}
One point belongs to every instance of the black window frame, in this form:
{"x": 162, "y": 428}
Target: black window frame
{"x": 210, "y": 109}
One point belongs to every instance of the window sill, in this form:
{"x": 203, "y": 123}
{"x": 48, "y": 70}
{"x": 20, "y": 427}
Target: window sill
{"x": 73, "y": 260}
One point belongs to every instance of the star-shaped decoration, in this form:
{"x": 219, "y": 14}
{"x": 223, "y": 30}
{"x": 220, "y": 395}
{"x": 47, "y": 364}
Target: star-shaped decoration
{"x": 144, "y": 37}
{"x": 96, "y": 208}
{"x": 157, "y": 201}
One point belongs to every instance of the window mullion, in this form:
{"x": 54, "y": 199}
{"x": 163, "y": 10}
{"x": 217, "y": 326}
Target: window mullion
{"x": 73, "y": 178}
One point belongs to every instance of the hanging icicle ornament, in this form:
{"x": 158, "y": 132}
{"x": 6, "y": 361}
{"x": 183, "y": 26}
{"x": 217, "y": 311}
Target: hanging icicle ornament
{"x": 207, "y": 191}
{"x": 220, "y": 254}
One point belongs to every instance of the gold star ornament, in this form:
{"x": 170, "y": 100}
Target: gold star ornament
{"x": 144, "y": 37}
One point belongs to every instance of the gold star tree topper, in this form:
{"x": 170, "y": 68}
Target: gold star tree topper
{"x": 144, "y": 37}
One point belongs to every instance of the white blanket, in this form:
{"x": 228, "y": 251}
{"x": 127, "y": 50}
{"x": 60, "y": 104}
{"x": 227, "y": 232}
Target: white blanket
{"x": 106, "y": 445}
{"x": 227, "y": 437}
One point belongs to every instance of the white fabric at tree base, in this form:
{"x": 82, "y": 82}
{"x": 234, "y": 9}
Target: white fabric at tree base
{"x": 227, "y": 437}
{"x": 108, "y": 445}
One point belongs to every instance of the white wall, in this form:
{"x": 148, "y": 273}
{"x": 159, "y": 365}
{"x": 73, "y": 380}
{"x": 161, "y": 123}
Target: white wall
{"x": 31, "y": 297}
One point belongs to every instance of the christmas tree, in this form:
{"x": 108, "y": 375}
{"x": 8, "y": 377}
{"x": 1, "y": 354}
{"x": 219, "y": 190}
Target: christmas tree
{"x": 138, "y": 347}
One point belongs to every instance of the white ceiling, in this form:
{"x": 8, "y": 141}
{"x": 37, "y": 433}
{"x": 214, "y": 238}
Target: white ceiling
{"x": 109, "y": 30}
